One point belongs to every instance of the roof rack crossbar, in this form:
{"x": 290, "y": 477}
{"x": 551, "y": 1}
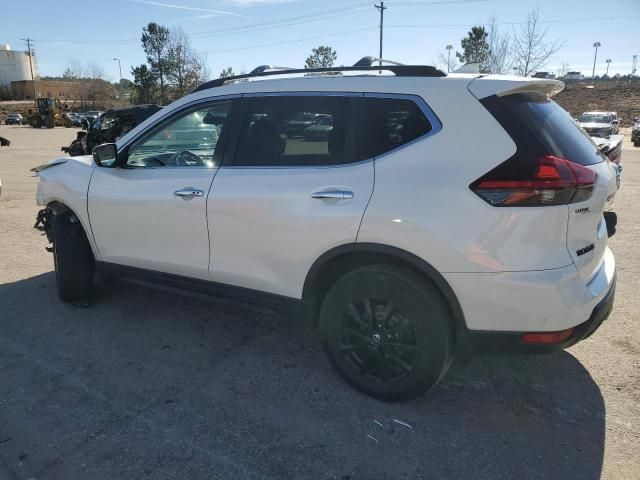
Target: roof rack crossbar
{"x": 398, "y": 70}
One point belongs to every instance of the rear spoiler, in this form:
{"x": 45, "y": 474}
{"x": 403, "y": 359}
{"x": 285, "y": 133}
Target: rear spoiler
{"x": 502, "y": 85}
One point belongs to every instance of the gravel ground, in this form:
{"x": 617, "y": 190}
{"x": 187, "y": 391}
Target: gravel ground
{"x": 145, "y": 384}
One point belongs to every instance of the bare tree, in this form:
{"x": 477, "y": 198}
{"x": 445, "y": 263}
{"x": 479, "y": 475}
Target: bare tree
{"x": 74, "y": 69}
{"x": 531, "y": 49}
{"x": 500, "y": 59}
{"x": 187, "y": 66}
{"x": 95, "y": 71}
{"x": 564, "y": 68}
{"x": 446, "y": 61}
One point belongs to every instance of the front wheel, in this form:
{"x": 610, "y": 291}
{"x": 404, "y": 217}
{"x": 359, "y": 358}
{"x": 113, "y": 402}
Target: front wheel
{"x": 73, "y": 259}
{"x": 386, "y": 331}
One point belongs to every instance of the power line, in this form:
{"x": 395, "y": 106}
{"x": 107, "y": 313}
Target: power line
{"x": 297, "y": 40}
{"x": 296, "y": 20}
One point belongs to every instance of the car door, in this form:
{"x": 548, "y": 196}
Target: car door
{"x": 286, "y": 199}
{"x": 151, "y": 212}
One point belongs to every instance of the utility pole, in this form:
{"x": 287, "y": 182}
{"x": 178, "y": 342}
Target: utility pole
{"x": 120, "y": 67}
{"x": 595, "y": 56}
{"x": 33, "y": 82}
{"x": 381, "y": 8}
{"x": 449, "y": 48}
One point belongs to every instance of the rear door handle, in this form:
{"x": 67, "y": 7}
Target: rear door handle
{"x": 187, "y": 193}
{"x": 340, "y": 194}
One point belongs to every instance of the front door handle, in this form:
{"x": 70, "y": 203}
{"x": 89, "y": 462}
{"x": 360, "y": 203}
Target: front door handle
{"x": 340, "y": 194}
{"x": 187, "y": 193}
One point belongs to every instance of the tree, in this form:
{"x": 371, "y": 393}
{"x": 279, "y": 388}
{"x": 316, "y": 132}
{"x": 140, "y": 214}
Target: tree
{"x": 227, "y": 72}
{"x": 531, "y": 49}
{"x": 74, "y": 70}
{"x": 186, "y": 66}
{"x": 321, "y": 57}
{"x": 499, "y": 59}
{"x": 156, "y": 45}
{"x": 144, "y": 85}
{"x": 564, "y": 68}
{"x": 475, "y": 47}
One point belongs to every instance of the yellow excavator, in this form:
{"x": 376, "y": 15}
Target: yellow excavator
{"x": 48, "y": 114}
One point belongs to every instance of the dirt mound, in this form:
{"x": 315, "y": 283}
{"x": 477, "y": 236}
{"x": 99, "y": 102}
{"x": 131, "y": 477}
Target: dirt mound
{"x": 622, "y": 96}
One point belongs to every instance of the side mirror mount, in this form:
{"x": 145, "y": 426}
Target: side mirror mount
{"x": 106, "y": 155}
{"x": 616, "y": 122}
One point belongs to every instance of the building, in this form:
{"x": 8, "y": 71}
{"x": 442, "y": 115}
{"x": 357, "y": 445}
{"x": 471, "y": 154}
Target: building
{"x": 573, "y": 76}
{"x": 14, "y": 65}
{"x": 23, "y": 90}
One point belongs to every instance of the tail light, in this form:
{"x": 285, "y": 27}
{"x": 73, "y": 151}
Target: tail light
{"x": 546, "y": 180}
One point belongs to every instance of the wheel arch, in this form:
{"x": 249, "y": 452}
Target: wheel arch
{"x": 339, "y": 260}
{"x": 59, "y": 207}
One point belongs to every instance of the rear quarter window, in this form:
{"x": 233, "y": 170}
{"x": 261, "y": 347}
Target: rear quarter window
{"x": 389, "y": 123}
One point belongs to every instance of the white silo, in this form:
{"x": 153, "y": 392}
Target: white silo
{"x": 14, "y": 65}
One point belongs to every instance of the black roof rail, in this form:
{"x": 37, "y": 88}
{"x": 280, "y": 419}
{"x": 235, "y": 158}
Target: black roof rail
{"x": 268, "y": 71}
{"x": 369, "y": 61}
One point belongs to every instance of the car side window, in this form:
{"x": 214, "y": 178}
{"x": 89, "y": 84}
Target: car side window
{"x": 390, "y": 123}
{"x": 187, "y": 140}
{"x": 291, "y": 130}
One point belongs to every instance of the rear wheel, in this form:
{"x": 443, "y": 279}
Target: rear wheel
{"x": 386, "y": 331}
{"x": 35, "y": 122}
{"x": 73, "y": 259}
{"x": 636, "y": 143}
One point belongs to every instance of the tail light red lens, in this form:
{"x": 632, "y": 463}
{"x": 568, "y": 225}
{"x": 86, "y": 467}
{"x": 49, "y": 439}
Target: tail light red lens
{"x": 550, "y": 181}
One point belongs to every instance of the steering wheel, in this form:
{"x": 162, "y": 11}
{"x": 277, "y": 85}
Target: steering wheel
{"x": 185, "y": 158}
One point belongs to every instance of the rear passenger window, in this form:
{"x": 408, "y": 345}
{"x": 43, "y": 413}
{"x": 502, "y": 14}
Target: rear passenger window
{"x": 297, "y": 131}
{"x": 391, "y": 123}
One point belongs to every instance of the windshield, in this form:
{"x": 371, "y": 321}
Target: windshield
{"x": 594, "y": 118}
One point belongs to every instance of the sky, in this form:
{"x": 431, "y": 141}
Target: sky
{"x": 246, "y": 33}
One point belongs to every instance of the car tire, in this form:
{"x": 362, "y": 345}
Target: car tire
{"x": 387, "y": 332}
{"x": 73, "y": 259}
{"x": 636, "y": 143}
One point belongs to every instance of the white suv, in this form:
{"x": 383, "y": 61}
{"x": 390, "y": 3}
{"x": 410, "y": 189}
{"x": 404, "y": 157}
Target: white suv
{"x": 438, "y": 215}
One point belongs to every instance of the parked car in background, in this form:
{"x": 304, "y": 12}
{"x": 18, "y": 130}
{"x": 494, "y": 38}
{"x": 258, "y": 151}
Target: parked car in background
{"x": 296, "y": 125}
{"x": 15, "y": 119}
{"x": 320, "y": 130}
{"x": 92, "y": 115}
{"x": 635, "y": 132}
{"x": 110, "y": 126}
{"x": 384, "y": 236}
{"x": 599, "y": 124}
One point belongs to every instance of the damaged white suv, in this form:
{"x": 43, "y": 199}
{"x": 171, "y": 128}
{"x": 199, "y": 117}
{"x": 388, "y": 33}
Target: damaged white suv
{"x": 409, "y": 215}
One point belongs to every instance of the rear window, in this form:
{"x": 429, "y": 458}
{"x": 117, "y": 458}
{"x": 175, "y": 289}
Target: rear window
{"x": 535, "y": 122}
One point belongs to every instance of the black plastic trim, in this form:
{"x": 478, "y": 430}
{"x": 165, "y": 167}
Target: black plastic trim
{"x": 484, "y": 342}
{"x": 222, "y": 293}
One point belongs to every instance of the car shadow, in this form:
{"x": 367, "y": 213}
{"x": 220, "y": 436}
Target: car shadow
{"x": 145, "y": 383}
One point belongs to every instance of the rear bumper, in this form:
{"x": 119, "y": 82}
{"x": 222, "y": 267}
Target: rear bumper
{"x": 511, "y": 342}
